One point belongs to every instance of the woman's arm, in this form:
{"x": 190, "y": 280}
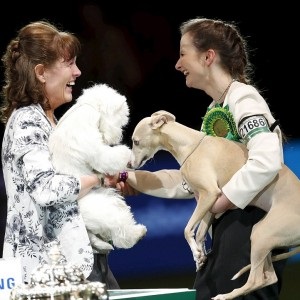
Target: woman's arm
{"x": 163, "y": 183}
{"x": 253, "y": 118}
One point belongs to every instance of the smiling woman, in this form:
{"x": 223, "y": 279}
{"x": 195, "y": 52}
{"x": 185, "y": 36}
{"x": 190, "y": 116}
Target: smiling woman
{"x": 40, "y": 70}
{"x": 213, "y": 58}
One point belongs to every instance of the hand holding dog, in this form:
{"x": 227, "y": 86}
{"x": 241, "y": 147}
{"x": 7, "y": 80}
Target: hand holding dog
{"x": 123, "y": 187}
{"x": 221, "y": 205}
{"x": 87, "y": 182}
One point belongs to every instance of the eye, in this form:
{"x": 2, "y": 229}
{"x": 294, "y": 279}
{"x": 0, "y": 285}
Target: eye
{"x": 71, "y": 62}
{"x": 136, "y": 143}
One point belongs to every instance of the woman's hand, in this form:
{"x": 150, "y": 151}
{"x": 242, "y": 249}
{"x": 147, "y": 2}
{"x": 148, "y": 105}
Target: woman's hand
{"x": 87, "y": 182}
{"x": 111, "y": 180}
{"x": 121, "y": 185}
{"x": 125, "y": 189}
{"x": 221, "y": 205}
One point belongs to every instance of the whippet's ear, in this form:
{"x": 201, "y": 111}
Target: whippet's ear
{"x": 161, "y": 117}
{"x": 168, "y": 115}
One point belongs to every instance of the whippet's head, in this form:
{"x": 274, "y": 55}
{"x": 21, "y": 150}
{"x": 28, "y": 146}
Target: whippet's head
{"x": 146, "y": 138}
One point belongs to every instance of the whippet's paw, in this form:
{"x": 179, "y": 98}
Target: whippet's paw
{"x": 200, "y": 263}
{"x": 200, "y": 258}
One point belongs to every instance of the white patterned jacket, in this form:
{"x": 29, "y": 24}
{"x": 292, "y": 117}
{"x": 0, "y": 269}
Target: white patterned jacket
{"x": 41, "y": 204}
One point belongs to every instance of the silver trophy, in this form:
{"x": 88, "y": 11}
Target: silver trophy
{"x": 59, "y": 281}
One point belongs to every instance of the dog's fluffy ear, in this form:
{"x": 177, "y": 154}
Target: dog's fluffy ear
{"x": 161, "y": 117}
{"x": 113, "y": 110}
{"x": 106, "y": 100}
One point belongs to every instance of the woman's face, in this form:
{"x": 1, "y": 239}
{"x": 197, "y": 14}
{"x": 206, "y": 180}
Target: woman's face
{"x": 59, "y": 80}
{"x": 191, "y": 62}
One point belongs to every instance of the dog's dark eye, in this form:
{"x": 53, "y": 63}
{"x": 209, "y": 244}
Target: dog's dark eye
{"x": 136, "y": 143}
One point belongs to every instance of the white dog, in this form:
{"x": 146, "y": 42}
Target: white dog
{"x": 85, "y": 141}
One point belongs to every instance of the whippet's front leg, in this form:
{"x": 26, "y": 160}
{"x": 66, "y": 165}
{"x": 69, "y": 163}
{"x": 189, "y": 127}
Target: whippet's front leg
{"x": 200, "y": 237}
{"x": 201, "y": 212}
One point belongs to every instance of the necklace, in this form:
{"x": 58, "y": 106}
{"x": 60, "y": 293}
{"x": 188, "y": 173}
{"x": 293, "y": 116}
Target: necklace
{"x": 226, "y": 90}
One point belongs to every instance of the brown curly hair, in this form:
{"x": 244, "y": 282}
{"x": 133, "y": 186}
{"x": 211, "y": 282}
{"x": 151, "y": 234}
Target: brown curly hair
{"x": 36, "y": 43}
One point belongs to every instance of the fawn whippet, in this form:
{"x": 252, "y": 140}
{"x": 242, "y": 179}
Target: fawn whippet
{"x": 207, "y": 163}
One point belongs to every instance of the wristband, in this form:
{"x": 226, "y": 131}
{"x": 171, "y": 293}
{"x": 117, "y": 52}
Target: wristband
{"x": 101, "y": 181}
{"x": 101, "y": 184}
{"x": 101, "y": 178}
{"x": 123, "y": 176}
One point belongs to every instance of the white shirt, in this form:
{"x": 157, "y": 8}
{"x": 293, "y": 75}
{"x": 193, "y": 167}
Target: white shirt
{"x": 265, "y": 156}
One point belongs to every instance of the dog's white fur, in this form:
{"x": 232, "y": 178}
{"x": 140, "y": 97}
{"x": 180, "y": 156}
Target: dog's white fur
{"x": 87, "y": 140}
{"x": 207, "y": 163}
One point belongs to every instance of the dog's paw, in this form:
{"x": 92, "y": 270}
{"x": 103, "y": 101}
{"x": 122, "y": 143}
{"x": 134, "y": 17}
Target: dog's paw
{"x": 121, "y": 157}
{"x": 199, "y": 258}
{"x": 98, "y": 243}
{"x": 129, "y": 235}
{"x": 200, "y": 263}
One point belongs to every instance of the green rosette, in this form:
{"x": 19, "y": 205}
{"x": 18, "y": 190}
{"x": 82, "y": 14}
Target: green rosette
{"x": 219, "y": 121}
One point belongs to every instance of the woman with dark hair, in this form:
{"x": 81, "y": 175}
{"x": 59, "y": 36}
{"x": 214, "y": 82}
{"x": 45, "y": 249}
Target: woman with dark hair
{"x": 214, "y": 59}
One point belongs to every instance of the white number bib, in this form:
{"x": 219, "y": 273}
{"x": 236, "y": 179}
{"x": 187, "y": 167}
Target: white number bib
{"x": 251, "y": 126}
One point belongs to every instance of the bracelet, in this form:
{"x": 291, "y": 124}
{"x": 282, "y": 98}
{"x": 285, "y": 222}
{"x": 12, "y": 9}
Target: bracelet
{"x": 101, "y": 184}
{"x": 101, "y": 178}
{"x": 123, "y": 176}
{"x": 102, "y": 181}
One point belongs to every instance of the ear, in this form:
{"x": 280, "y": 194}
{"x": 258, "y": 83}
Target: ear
{"x": 39, "y": 73}
{"x": 161, "y": 117}
{"x": 210, "y": 56}
{"x": 168, "y": 115}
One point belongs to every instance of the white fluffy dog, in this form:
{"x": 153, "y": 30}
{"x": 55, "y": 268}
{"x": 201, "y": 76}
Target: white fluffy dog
{"x": 87, "y": 140}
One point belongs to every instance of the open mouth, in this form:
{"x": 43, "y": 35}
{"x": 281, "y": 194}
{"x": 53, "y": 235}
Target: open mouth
{"x": 71, "y": 83}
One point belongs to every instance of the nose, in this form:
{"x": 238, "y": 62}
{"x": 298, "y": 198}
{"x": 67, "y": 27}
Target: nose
{"x": 177, "y": 65}
{"x": 77, "y": 71}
